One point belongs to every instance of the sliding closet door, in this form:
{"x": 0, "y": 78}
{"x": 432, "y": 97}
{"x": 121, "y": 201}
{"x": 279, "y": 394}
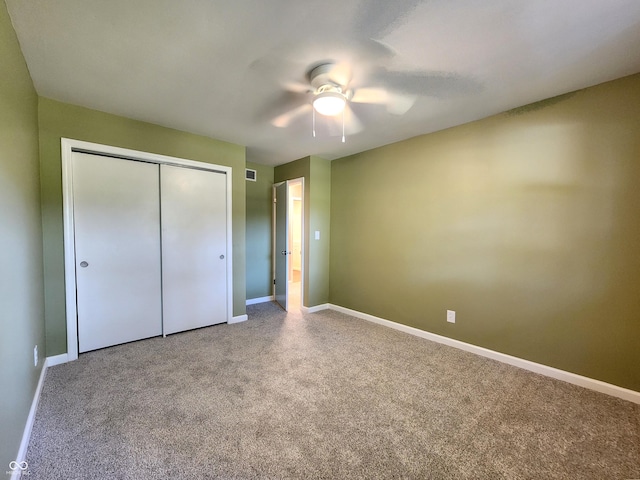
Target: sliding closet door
{"x": 194, "y": 248}
{"x": 117, "y": 230}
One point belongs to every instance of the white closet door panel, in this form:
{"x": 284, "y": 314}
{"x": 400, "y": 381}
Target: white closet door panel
{"x": 117, "y": 230}
{"x": 194, "y": 248}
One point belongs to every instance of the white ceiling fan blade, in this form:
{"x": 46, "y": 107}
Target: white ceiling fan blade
{"x": 283, "y": 121}
{"x": 297, "y": 87}
{"x": 352, "y": 123}
{"x": 341, "y": 74}
{"x": 371, "y": 95}
{"x": 397, "y": 104}
{"x": 400, "y": 104}
{"x": 426, "y": 83}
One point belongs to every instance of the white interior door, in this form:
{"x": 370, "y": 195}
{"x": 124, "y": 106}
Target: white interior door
{"x": 281, "y": 244}
{"x": 117, "y": 227}
{"x": 194, "y": 248}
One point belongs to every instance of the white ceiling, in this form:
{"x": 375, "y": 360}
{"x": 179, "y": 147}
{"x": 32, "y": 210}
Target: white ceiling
{"x": 221, "y": 67}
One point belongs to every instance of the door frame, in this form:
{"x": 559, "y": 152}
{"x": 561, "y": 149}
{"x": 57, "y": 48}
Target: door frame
{"x": 303, "y": 249}
{"x": 68, "y": 146}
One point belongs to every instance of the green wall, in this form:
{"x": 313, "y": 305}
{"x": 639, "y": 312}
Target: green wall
{"x": 317, "y": 204}
{"x": 527, "y": 224}
{"x": 258, "y": 233}
{"x": 319, "y": 220}
{"x": 58, "y": 120}
{"x": 21, "y": 284}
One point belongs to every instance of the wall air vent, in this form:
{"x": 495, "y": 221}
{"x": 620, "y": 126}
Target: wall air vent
{"x": 251, "y": 175}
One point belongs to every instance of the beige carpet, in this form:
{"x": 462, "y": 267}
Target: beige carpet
{"x": 325, "y": 396}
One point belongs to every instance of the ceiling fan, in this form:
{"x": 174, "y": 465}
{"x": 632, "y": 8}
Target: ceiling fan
{"x": 330, "y": 91}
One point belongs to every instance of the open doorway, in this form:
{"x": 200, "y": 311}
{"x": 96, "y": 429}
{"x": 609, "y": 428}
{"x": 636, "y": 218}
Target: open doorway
{"x": 295, "y": 244}
{"x": 288, "y": 271}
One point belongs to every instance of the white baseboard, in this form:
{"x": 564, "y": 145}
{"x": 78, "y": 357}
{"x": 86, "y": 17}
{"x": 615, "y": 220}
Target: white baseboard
{"x": 253, "y": 301}
{"x": 57, "y": 360}
{"x": 238, "y": 319}
{"x": 26, "y": 434}
{"x": 315, "y": 308}
{"x": 586, "y": 382}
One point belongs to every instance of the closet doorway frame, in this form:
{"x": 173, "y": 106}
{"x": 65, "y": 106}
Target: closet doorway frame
{"x": 68, "y": 146}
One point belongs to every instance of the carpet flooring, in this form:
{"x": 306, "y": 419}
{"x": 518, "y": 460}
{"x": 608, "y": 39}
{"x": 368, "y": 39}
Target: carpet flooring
{"x": 324, "y": 396}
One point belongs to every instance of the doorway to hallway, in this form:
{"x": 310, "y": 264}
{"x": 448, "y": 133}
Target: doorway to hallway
{"x": 289, "y": 244}
{"x": 295, "y": 244}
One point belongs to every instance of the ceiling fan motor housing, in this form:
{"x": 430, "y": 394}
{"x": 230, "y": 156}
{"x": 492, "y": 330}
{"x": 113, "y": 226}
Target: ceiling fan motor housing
{"x": 330, "y": 97}
{"x": 321, "y": 75}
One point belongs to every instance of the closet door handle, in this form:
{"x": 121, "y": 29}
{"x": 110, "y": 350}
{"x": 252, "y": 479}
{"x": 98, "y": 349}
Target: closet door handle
{"x": 221, "y": 257}
{"x": 84, "y": 264}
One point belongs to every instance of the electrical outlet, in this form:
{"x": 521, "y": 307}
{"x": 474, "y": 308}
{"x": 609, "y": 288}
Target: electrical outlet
{"x": 35, "y": 356}
{"x": 451, "y": 316}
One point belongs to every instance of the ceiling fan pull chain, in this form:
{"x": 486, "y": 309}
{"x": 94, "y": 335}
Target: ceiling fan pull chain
{"x": 343, "y": 139}
{"x": 314, "y": 123}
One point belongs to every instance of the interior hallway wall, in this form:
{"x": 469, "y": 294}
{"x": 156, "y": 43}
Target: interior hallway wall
{"x": 258, "y": 232}
{"x": 527, "y": 224}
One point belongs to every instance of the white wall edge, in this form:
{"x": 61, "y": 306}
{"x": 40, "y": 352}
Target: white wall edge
{"x": 573, "y": 378}
{"x": 238, "y": 319}
{"x": 69, "y": 248}
{"x": 253, "y": 301}
{"x": 315, "y": 308}
{"x": 26, "y": 435}
{"x": 57, "y": 360}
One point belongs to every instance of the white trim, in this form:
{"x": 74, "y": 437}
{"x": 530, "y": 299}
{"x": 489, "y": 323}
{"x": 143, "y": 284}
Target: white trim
{"x": 68, "y": 146}
{"x": 26, "y": 434}
{"x": 575, "y": 379}
{"x": 303, "y": 239}
{"x": 253, "y": 301}
{"x": 57, "y": 360}
{"x": 316, "y": 308}
{"x": 238, "y": 319}
{"x": 69, "y": 250}
{"x": 229, "y": 172}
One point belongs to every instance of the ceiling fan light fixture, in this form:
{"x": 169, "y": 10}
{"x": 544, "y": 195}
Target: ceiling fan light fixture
{"x": 329, "y": 103}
